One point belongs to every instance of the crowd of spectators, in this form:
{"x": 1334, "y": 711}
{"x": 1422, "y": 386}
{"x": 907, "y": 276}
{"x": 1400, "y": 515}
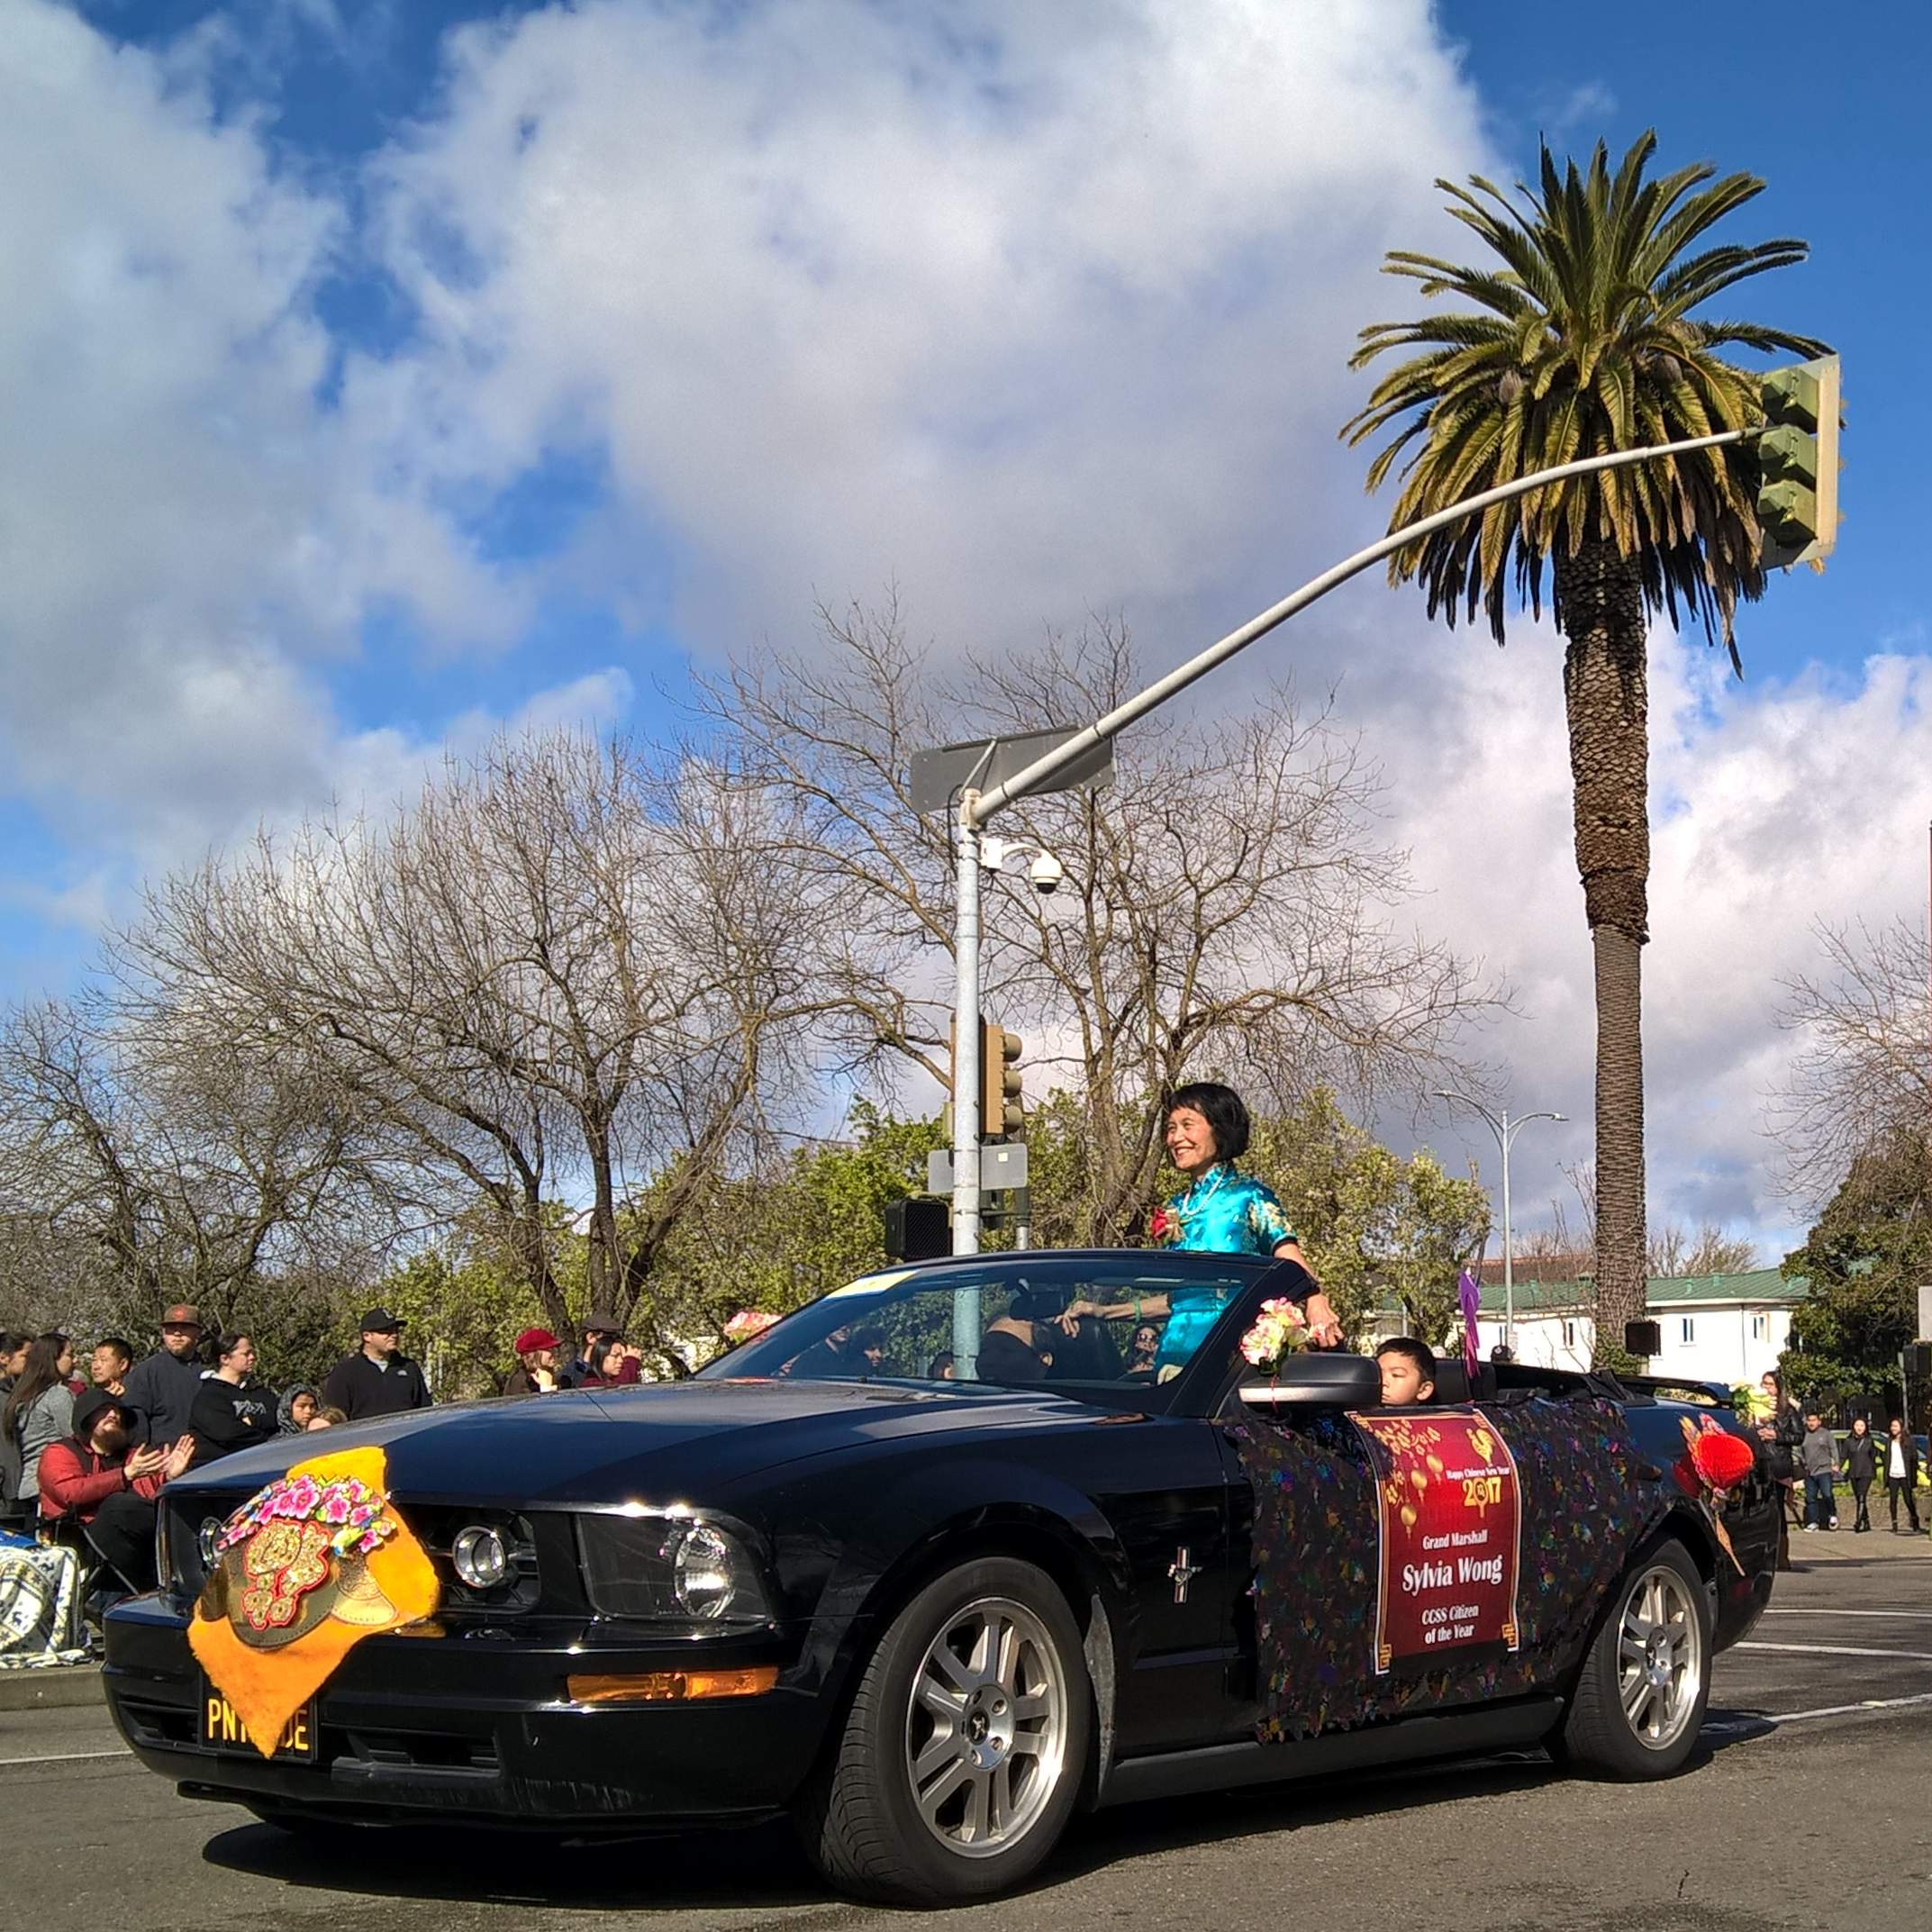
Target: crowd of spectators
{"x": 88, "y": 1458}
{"x": 81, "y": 1463}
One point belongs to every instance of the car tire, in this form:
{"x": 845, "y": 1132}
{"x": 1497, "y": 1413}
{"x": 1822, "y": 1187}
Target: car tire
{"x": 961, "y": 1755}
{"x": 1640, "y": 1696}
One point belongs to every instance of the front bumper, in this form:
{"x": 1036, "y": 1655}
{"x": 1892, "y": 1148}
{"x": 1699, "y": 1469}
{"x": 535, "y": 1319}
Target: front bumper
{"x": 477, "y": 1724}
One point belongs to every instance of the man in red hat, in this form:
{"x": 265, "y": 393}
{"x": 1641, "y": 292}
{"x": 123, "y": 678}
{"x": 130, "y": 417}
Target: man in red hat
{"x": 379, "y": 1379}
{"x": 536, "y": 1359}
{"x": 160, "y": 1388}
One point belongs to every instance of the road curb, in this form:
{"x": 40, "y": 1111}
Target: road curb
{"x": 62, "y": 1687}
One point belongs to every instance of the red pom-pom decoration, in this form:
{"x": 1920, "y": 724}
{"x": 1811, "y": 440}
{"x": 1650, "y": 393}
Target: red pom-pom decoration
{"x": 1722, "y": 1460}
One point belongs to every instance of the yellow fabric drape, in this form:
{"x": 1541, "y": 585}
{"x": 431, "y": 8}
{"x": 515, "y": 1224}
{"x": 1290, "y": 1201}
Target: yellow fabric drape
{"x": 267, "y": 1687}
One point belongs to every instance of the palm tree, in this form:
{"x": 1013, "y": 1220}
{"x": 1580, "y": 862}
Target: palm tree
{"x": 1582, "y": 341}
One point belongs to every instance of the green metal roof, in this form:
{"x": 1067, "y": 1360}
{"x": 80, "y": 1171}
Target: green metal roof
{"x": 1758, "y": 1286}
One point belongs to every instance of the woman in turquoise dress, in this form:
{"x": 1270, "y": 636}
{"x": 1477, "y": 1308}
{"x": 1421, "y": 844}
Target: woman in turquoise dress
{"x": 1222, "y": 1211}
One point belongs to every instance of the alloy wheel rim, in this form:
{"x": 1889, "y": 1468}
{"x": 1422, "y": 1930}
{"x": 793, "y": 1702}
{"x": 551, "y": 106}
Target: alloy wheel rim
{"x": 985, "y": 1727}
{"x": 1660, "y": 1658}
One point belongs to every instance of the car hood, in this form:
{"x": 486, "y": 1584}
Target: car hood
{"x": 655, "y": 1442}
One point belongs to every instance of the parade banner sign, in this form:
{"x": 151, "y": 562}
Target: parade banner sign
{"x": 1451, "y": 1523}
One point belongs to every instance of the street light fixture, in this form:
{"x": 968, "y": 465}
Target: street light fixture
{"x": 1505, "y": 1130}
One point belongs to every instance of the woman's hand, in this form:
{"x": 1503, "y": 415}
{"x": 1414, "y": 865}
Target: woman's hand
{"x": 1324, "y": 1328}
{"x": 1069, "y": 1318}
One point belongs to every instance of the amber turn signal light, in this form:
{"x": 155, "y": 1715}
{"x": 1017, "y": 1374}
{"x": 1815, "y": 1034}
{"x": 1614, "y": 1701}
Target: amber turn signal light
{"x": 672, "y": 1687}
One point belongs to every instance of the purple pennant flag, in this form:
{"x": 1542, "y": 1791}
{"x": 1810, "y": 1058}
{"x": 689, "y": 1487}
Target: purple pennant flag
{"x": 1471, "y": 1298}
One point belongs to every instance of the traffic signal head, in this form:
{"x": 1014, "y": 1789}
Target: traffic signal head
{"x": 1798, "y": 463}
{"x": 1000, "y": 1109}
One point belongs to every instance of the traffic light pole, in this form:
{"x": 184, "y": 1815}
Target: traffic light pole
{"x": 976, "y": 807}
{"x": 967, "y": 1035}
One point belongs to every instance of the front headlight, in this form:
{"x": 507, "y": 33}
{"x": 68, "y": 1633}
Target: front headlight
{"x": 665, "y": 1568}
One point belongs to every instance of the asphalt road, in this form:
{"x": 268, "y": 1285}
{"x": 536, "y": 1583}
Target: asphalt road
{"x": 1810, "y": 1807}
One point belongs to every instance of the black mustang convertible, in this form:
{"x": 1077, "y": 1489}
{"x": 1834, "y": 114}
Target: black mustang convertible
{"x": 931, "y": 1563}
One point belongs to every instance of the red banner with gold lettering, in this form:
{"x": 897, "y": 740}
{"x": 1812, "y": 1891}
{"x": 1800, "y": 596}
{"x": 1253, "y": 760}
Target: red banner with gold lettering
{"x": 1451, "y": 1520}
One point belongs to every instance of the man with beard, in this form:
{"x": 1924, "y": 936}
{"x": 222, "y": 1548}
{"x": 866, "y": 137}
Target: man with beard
{"x": 95, "y": 1479}
{"x": 160, "y": 1388}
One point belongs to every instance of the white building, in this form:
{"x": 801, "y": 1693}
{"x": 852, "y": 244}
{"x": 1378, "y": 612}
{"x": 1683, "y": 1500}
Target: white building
{"x": 1717, "y": 1328}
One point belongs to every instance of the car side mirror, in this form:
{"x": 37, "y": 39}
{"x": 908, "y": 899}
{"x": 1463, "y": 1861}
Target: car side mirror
{"x": 1313, "y": 1379}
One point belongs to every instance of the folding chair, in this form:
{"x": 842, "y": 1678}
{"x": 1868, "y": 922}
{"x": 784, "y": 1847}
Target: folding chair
{"x": 117, "y": 1585}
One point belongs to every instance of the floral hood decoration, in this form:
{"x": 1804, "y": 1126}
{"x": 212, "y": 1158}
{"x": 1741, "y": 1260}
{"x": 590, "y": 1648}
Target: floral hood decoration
{"x": 352, "y": 1511}
{"x": 304, "y": 1571}
{"x": 1280, "y": 1330}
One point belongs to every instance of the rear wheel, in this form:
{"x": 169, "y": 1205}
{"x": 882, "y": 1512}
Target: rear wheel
{"x": 961, "y": 1757}
{"x": 1641, "y": 1695}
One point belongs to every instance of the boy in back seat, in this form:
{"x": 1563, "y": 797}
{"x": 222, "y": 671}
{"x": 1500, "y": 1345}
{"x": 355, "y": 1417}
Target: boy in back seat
{"x": 1408, "y": 1371}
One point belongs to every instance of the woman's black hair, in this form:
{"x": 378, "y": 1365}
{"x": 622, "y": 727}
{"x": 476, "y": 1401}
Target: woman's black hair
{"x": 1222, "y": 1109}
{"x": 218, "y": 1345}
{"x": 41, "y": 1373}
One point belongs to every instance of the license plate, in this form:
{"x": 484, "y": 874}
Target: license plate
{"x": 221, "y": 1729}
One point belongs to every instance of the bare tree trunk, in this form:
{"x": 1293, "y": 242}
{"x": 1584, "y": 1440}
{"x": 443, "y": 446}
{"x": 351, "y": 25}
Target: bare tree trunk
{"x": 1600, "y": 606}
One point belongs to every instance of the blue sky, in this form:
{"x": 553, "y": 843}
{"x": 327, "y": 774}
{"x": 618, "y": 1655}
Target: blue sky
{"x": 390, "y": 371}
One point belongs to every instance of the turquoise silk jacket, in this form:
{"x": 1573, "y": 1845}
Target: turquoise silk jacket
{"x": 1224, "y": 1212}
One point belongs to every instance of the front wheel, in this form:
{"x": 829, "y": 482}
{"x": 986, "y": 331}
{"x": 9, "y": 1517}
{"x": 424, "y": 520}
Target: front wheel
{"x": 961, "y": 1757}
{"x": 1641, "y": 1695}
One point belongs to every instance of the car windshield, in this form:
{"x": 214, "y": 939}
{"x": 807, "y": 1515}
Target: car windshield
{"x": 1004, "y": 1321}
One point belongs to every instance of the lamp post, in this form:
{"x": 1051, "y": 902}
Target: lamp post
{"x": 1505, "y": 1130}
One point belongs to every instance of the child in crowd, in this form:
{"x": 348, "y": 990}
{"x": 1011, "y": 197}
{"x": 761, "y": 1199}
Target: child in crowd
{"x": 1408, "y": 1371}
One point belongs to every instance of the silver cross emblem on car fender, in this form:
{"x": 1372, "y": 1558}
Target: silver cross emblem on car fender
{"x": 1183, "y": 1572}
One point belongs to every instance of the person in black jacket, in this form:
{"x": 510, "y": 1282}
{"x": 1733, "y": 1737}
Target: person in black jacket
{"x": 1780, "y": 1431}
{"x": 231, "y": 1410}
{"x": 161, "y": 1388}
{"x": 12, "y": 1361}
{"x": 1861, "y": 1464}
{"x": 1900, "y": 1455}
{"x": 379, "y": 1379}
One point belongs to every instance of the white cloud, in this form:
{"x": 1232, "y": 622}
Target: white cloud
{"x": 1036, "y": 309}
{"x": 1773, "y": 805}
{"x": 187, "y": 534}
{"x": 1586, "y": 107}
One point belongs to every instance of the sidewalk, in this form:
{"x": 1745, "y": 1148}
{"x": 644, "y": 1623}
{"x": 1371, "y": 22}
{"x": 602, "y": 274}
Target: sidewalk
{"x": 59, "y": 1687}
{"x": 1877, "y": 1545}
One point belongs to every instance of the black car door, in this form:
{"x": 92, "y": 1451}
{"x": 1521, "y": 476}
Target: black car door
{"x": 1165, "y": 1489}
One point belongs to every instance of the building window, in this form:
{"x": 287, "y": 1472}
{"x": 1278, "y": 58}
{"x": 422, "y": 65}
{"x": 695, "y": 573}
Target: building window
{"x": 1760, "y": 1328}
{"x": 1569, "y": 1335}
{"x": 1689, "y": 1329}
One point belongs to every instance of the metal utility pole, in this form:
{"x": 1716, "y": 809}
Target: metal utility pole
{"x": 1505, "y": 1130}
{"x": 977, "y": 807}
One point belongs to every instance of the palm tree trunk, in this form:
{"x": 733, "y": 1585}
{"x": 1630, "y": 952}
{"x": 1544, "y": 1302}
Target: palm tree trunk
{"x": 1599, "y": 607}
